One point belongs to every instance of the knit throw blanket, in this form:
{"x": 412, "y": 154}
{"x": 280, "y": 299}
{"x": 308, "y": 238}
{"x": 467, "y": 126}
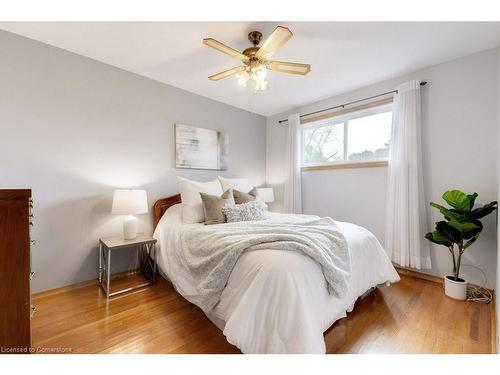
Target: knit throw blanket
{"x": 210, "y": 252}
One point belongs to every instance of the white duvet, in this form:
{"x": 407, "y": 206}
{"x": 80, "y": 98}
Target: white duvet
{"x": 277, "y": 301}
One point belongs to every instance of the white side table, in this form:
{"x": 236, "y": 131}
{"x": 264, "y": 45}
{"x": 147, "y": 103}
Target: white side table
{"x": 146, "y": 245}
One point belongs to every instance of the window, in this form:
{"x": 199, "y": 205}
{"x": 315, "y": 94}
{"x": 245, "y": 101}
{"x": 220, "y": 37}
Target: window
{"x": 362, "y": 136}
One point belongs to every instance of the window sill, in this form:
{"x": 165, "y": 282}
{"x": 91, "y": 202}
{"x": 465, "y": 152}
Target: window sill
{"x": 367, "y": 164}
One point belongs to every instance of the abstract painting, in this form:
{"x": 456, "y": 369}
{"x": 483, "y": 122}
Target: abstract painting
{"x": 199, "y": 148}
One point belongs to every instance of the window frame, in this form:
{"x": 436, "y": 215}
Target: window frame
{"x": 344, "y": 118}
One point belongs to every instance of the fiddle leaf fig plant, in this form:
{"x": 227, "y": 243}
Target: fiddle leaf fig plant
{"x": 461, "y": 227}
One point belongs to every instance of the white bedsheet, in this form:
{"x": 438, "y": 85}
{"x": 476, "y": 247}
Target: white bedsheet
{"x": 277, "y": 301}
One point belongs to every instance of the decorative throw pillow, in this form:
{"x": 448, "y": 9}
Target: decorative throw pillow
{"x": 250, "y": 211}
{"x": 240, "y": 197}
{"x": 212, "y": 206}
{"x": 242, "y": 184}
{"x": 192, "y": 206}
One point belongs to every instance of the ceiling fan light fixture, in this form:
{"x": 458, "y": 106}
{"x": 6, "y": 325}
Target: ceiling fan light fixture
{"x": 256, "y": 59}
{"x": 261, "y": 85}
{"x": 242, "y": 79}
{"x": 260, "y": 73}
{"x": 259, "y": 76}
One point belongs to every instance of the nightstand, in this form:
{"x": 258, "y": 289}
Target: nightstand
{"x": 146, "y": 247}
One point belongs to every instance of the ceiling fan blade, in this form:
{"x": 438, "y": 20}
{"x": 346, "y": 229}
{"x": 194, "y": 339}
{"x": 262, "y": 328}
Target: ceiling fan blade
{"x": 289, "y": 67}
{"x": 227, "y": 73}
{"x": 225, "y": 49}
{"x": 275, "y": 41}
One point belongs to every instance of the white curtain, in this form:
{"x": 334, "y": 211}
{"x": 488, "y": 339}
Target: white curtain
{"x": 406, "y": 221}
{"x": 293, "y": 180}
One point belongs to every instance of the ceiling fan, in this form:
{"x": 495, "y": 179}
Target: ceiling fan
{"x": 257, "y": 59}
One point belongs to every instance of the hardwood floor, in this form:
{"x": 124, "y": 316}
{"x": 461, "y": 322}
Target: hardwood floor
{"x": 412, "y": 316}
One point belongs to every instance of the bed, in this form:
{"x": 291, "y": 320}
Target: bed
{"x": 274, "y": 301}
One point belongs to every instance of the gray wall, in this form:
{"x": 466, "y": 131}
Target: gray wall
{"x": 73, "y": 129}
{"x": 460, "y": 109}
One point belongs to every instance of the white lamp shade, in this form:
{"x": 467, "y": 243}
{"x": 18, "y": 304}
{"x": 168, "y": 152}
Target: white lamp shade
{"x": 129, "y": 202}
{"x": 266, "y": 194}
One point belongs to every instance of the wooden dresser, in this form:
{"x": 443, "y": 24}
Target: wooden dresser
{"x": 15, "y": 270}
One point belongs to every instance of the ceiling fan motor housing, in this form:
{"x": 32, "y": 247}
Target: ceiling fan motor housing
{"x": 255, "y": 37}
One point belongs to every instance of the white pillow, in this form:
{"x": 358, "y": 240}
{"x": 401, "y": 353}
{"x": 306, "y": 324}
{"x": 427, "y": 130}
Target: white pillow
{"x": 192, "y": 206}
{"x": 241, "y": 184}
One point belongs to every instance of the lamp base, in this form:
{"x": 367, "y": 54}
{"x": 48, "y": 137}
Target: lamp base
{"x": 130, "y": 227}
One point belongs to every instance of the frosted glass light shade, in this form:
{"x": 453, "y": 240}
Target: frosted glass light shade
{"x": 266, "y": 194}
{"x": 129, "y": 202}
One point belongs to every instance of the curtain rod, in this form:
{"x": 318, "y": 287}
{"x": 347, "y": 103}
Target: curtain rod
{"x": 423, "y": 83}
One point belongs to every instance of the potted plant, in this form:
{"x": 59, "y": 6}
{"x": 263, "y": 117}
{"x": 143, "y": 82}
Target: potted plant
{"x": 460, "y": 230}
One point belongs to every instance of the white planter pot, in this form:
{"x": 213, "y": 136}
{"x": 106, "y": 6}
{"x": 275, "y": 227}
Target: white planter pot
{"x": 455, "y": 289}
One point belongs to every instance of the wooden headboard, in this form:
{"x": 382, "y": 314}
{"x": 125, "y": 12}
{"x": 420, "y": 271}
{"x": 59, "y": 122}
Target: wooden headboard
{"x": 162, "y": 205}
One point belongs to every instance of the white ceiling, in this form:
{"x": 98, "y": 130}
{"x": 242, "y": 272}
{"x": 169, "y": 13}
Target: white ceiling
{"x": 343, "y": 55}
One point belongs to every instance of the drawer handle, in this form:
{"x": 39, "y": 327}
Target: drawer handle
{"x": 32, "y": 274}
{"x": 33, "y": 311}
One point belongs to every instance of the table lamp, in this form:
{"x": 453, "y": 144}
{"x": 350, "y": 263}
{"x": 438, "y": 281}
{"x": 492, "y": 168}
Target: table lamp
{"x": 130, "y": 203}
{"x": 266, "y": 194}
